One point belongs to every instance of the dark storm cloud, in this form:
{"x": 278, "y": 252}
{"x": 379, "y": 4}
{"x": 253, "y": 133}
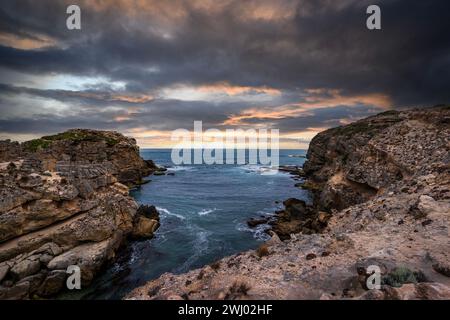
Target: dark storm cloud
{"x": 288, "y": 45}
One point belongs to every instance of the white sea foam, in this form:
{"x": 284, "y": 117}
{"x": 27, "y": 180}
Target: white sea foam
{"x": 205, "y": 212}
{"x": 180, "y": 168}
{"x": 258, "y": 232}
{"x": 167, "y": 212}
{"x": 263, "y": 170}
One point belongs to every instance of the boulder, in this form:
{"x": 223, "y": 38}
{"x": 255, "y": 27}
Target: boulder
{"x": 144, "y": 228}
{"x": 25, "y": 268}
{"x": 53, "y": 283}
{"x": 89, "y": 257}
{"x": 148, "y": 211}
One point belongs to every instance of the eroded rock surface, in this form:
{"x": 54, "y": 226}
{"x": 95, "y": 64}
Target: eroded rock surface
{"x": 382, "y": 193}
{"x": 63, "y": 202}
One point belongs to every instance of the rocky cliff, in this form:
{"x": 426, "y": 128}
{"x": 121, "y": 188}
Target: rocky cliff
{"x": 119, "y": 154}
{"x": 63, "y": 202}
{"x": 381, "y": 191}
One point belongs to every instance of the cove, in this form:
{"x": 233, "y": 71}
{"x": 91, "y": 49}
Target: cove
{"x": 204, "y": 211}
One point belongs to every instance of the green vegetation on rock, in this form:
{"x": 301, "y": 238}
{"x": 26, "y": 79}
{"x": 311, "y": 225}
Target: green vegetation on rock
{"x": 402, "y": 275}
{"x": 36, "y": 144}
{"x": 79, "y": 135}
{"x": 75, "y": 136}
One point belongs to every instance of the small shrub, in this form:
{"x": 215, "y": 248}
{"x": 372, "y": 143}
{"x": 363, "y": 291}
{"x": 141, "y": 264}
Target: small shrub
{"x": 36, "y": 145}
{"x": 263, "y": 250}
{"x": 401, "y": 276}
{"x": 215, "y": 265}
{"x": 201, "y": 274}
{"x": 238, "y": 289}
{"x": 78, "y": 136}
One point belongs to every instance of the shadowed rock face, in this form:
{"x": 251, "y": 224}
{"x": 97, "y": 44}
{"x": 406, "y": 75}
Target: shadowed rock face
{"x": 350, "y": 164}
{"x": 63, "y": 202}
{"x": 382, "y": 191}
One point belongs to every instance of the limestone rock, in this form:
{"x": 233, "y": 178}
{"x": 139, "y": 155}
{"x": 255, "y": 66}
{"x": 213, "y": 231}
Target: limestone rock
{"x": 89, "y": 257}
{"x": 144, "y": 227}
{"x": 64, "y": 200}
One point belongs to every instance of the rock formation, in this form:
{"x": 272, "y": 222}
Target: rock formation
{"x": 381, "y": 190}
{"x": 118, "y": 153}
{"x": 64, "y": 202}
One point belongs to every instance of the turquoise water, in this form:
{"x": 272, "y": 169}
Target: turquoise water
{"x": 204, "y": 209}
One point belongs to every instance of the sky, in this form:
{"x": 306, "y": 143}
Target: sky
{"x": 146, "y": 68}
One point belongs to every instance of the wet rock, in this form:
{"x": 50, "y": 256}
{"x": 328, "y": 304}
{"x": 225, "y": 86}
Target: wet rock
{"x": 253, "y": 222}
{"x": 148, "y": 211}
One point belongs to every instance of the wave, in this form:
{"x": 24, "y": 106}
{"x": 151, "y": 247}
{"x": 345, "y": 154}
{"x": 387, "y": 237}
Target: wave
{"x": 259, "y": 232}
{"x": 168, "y": 213}
{"x": 297, "y": 156}
{"x": 179, "y": 168}
{"x": 205, "y": 212}
{"x": 263, "y": 170}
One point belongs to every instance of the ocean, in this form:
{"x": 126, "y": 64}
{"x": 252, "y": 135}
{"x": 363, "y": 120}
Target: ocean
{"x": 203, "y": 210}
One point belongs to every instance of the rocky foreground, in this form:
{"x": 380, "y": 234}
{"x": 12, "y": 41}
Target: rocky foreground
{"x": 381, "y": 190}
{"x": 64, "y": 201}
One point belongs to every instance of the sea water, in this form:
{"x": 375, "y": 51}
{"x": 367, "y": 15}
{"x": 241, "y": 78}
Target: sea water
{"x": 203, "y": 211}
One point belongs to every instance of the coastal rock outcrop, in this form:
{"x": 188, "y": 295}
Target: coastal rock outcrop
{"x": 63, "y": 202}
{"x": 354, "y": 163}
{"x": 381, "y": 189}
{"x": 117, "y": 153}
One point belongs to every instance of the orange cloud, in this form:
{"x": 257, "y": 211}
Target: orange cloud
{"x": 225, "y": 87}
{"x": 317, "y": 98}
{"x": 162, "y": 138}
{"x": 131, "y": 99}
{"x": 26, "y": 43}
{"x": 106, "y": 96}
{"x": 179, "y": 9}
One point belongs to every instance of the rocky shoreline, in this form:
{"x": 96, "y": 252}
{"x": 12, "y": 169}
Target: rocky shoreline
{"x": 65, "y": 201}
{"x": 381, "y": 189}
